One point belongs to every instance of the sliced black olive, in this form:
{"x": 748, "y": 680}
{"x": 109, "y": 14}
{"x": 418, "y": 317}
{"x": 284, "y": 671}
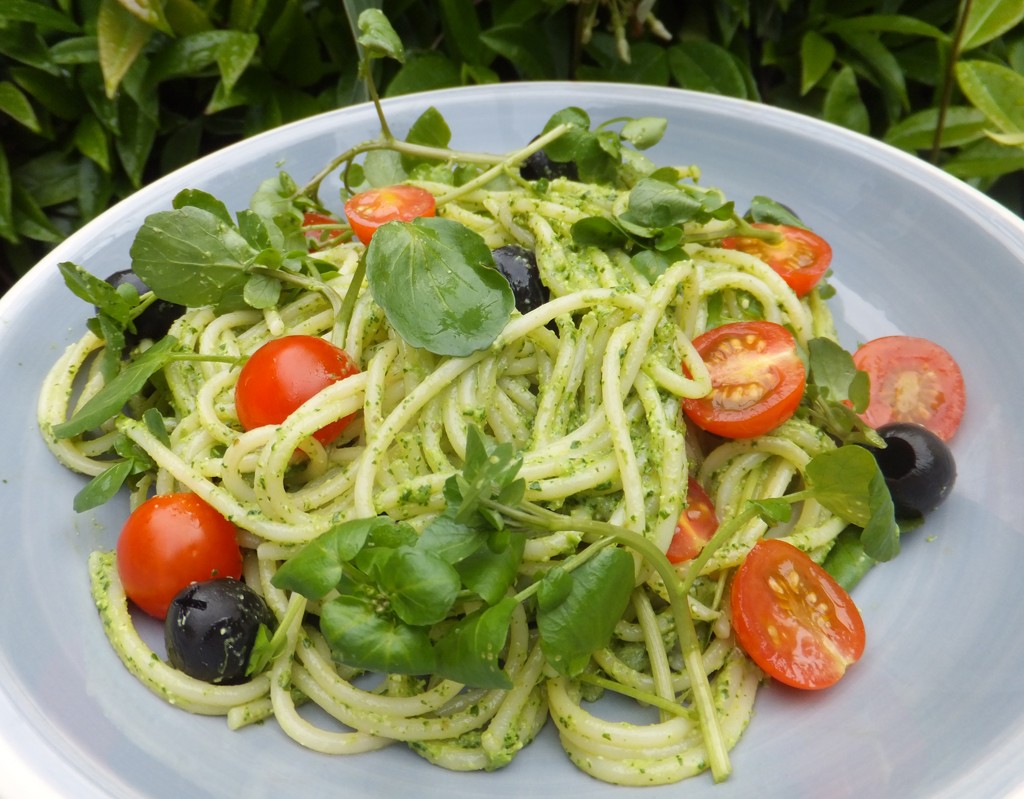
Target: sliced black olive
{"x": 156, "y": 320}
{"x": 918, "y": 468}
{"x": 519, "y": 266}
{"x": 539, "y": 165}
{"x": 211, "y": 628}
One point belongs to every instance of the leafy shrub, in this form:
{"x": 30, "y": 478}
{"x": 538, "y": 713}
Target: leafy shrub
{"x": 98, "y": 97}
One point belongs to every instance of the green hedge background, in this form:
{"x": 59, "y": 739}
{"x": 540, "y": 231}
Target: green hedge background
{"x": 99, "y": 97}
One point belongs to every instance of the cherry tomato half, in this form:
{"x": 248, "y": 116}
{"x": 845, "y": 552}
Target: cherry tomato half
{"x": 912, "y": 380}
{"x": 311, "y": 222}
{"x": 169, "y": 542}
{"x": 368, "y": 210}
{"x": 792, "y": 618}
{"x": 283, "y": 374}
{"x": 757, "y": 379}
{"x": 696, "y": 524}
{"x": 800, "y": 257}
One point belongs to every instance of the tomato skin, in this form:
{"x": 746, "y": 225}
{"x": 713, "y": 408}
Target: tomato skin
{"x": 912, "y": 380}
{"x": 283, "y": 374}
{"x": 800, "y": 258}
{"x": 169, "y": 542}
{"x": 792, "y": 618}
{"x": 757, "y": 379}
{"x": 319, "y": 238}
{"x": 696, "y": 524}
{"x": 368, "y": 210}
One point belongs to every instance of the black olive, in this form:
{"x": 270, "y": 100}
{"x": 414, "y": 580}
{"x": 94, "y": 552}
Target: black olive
{"x": 918, "y": 468}
{"x": 211, "y": 628}
{"x": 519, "y": 266}
{"x": 156, "y": 320}
{"x": 540, "y": 166}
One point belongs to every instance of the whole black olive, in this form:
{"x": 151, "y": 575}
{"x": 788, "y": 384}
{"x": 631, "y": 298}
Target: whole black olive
{"x": 156, "y": 320}
{"x": 539, "y": 165}
{"x": 519, "y": 266}
{"x": 918, "y": 468}
{"x": 211, "y": 628}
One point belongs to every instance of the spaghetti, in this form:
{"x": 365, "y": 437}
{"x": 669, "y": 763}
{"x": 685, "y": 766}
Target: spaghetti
{"x": 587, "y": 387}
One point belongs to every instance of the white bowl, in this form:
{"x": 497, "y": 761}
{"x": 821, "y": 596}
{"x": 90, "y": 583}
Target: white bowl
{"x": 936, "y": 706}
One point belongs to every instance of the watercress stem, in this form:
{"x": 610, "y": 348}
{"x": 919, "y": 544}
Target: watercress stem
{"x": 718, "y": 755}
{"x": 519, "y": 155}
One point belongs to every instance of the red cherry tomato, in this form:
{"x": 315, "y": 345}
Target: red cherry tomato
{"x": 369, "y": 210}
{"x": 696, "y": 524}
{"x": 912, "y": 380}
{"x": 757, "y": 379}
{"x": 318, "y": 238}
{"x": 800, "y": 257}
{"x": 170, "y": 542}
{"x": 283, "y": 374}
{"x": 792, "y": 618}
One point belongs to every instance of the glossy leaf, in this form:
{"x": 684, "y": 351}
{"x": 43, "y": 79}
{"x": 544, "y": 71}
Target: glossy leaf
{"x": 91, "y": 141}
{"x": 988, "y": 20}
{"x": 844, "y": 104}
{"x": 16, "y": 105}
{"x": 994, "y": 90}
{"x": 817, "y": 55}
{"x": 7, "y": 230}
{"x": 962, "y": 125}
{"x": 121, "y": 37}
{"x": 707, "y": 67}
{"x": 150, "y": 12}
{"x": 36, "y": 13}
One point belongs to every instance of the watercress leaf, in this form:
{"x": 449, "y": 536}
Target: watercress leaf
{"x": 450, "y": 540}
{"x": 881, "y": 534}
{"x": 189, "y": 256}
{"x": 436, "y": 281}
{"x": 262, "y": 291}
{"x": 384, "y": 168}
{"x": 154, "y": 422}
{"x": 377, "y": 36}
{"x": 597, "y": 231}
{"x": 100, "y": 293}
{"x": 392, "y": 535}
{"x": 658, "y": 205}
{"x": 109, "y": 400}
{"x": 584, "y": 619}
{"x": 491, "y": 570}
{"x": 644, "y": 132}
{"x": 362, "y": 638}
{"x": 429, "y": 129}
{"x": 860, "y": 391}
{"x": 848, "y": 482}
{"x": 317, "y": 568}
{"x": 197, "y": 198}
{"x": 565, "y": 147}
{"x": 112, "y": 332}
{"x": 831, "y": 368}
{"x": 513, "y": 493}
{"x": 766, "y": 210}
{"x": 555, "y": 587}
{"x": 103, "y": 486}
{"x": 847, "y": 561}
{"x": 421, "y": 585}
{"x": 470, "y": 652}
{"x": 774, "y": 511}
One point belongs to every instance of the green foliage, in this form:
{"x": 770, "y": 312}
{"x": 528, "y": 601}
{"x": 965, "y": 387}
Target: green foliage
{"x": 98, "y": 97}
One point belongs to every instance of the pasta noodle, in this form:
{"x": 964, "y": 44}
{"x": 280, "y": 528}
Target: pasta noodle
{"x": 594, "y": 410}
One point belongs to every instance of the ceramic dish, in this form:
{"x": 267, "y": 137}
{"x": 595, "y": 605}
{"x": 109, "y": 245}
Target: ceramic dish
{"x": 935, "y": 707}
